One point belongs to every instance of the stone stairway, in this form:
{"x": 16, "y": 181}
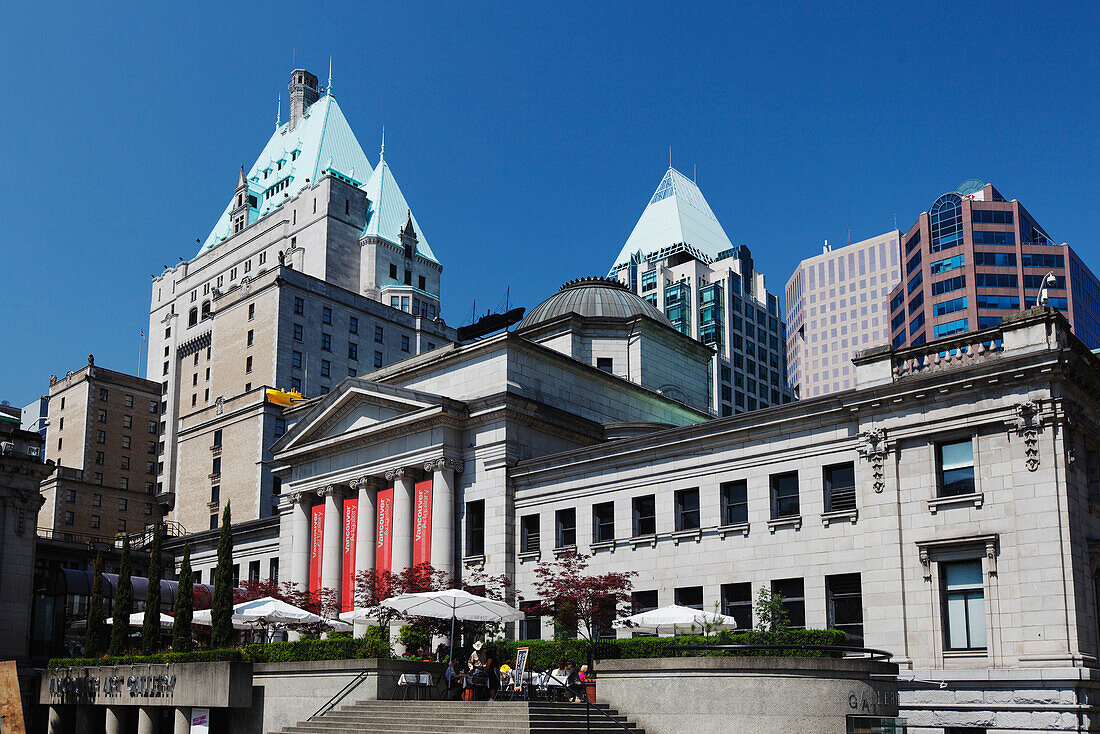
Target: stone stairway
{"x": 463, "y": 717}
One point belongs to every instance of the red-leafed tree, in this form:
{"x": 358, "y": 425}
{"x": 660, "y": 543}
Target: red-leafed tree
{"x": 574, "y": 598}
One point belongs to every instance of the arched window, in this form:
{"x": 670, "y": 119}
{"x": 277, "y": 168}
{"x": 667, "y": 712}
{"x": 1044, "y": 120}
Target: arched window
{"x": 946, "y": 221}
{"x": 192, "y": 317}
{"x": 206, "y": 309}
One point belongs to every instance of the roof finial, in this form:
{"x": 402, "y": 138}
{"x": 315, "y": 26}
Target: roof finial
{"x": 670, "y": 156}
{"x": 278, "y": 110}
{"x": 382, "y": 155}
{"x": 328, "y": 87}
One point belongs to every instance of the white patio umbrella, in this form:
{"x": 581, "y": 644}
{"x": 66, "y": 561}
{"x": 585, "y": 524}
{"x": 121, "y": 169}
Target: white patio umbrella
{"x": 137, "y": 619}
{"x": 269, "y": 612}
{"x": 454, "y": 604}
{"x": 366, "y": 614}
{"x": 674, "y": 618}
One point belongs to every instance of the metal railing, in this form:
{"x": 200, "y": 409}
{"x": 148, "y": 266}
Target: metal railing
{"x": 589, "y": 707}
{"x": 339, "y": 696}
{"x": 864, "y": 653}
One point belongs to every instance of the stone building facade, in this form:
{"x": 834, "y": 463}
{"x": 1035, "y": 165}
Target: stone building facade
{"x": 103, "y": 436}
{"x": 316, "y": 270}
{"x": 836, "y": 306}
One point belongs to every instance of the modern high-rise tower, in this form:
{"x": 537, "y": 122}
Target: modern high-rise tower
{"x": 679, "y": 259}
{"x": 973, "y": 258}
{"x": 316, "y": 270}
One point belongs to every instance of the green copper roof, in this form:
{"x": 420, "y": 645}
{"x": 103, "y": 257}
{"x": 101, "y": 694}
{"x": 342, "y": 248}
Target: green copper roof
{"x": 388, "y": 211}
{"x": 322, "y": 143}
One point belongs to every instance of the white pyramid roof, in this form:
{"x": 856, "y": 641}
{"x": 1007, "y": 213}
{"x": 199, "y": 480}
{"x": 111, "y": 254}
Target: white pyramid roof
{"x": 388, "y": 211}
{"x": 677, "y": 213}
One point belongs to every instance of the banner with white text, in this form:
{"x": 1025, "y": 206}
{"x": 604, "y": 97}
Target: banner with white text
{"x": 422, "y": 528}
{"x": 384, "y": 544}
{"x": 316, "y": 545}
{"x": 347, "y": 585}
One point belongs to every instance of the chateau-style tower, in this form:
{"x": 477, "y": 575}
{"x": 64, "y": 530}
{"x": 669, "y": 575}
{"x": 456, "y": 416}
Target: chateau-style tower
{"x": 303, "y": 93}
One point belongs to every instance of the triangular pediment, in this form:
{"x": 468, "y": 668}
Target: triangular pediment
{"x": 353, "y": 406}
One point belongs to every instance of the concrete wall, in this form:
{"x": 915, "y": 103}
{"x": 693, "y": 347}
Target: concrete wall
{"x": 759, "y": 695}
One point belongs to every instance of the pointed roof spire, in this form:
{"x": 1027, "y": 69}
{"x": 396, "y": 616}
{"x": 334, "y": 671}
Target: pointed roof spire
{"x": 382, "y": 155}
{"x": 328, "y": 87}
{"x": 241, "y": 181}
{"x": 278, "y": 110}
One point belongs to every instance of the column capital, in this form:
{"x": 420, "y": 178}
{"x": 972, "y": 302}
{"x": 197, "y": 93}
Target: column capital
{"x": 444, "y": 462}
{"x": 298, "y": 497}
{"x": 330, "y": 490}
{"x": 400, "y": 472}
{"x": 365, "y": 482}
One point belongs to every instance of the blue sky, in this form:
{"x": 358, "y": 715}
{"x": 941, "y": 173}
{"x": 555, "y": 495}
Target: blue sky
{"x": 527, "y": 137}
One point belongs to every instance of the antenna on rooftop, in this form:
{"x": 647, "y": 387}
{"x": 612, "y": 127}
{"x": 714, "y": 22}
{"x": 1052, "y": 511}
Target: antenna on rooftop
{"x": 278, "y": 110}
{"x": 382, "y": 155}
{"x": 328, "y": 87}
{"x": 670, "y": 156}
{"x": 693, "y": 173}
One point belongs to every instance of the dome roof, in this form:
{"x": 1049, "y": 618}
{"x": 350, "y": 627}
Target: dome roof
{"x": 593, "y": 298}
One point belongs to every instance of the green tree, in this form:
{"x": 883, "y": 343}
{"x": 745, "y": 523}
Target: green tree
{"x": 771, "y": 615}
{"x": 124, "y": 603}
{"x": 222, "y": 633}
{"x": 184, "y": 607}
{"x": 150, "y": 629}
{"x": 95, "y": 637}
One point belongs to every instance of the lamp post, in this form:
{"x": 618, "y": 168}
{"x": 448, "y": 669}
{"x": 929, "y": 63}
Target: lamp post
{"x": 1042, "y": 298}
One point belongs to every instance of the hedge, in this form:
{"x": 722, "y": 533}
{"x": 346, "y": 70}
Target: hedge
{"x": 373, "y": 645}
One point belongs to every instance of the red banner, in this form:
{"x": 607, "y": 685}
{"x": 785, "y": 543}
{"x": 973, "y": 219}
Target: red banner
{"x": 422, "y": 528}
{"x": 316, "y": 545}
{"x": 384, "y": 544}
{"x": 351, "y": 530}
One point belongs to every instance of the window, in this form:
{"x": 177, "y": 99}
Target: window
{"x": 421, "y": 283}
{"x": 247, "y": 364}
{"x": 153, "y": 427}
{"x": 296, "y": 359}
{"x": 945, "y": 307}
{"x": 955, "y": 467}
{"x": 70, "y": 495}
{"x": 565, "y": 526}
{"x": 216, "y": 465}
{"x": 844, "y": 606}
{"x": 123, "y": 505}
{"x": 475, "y": 528}
{"x": 192, "y": 317}
{"x": 737, "y": 603}
{"x": 982, "y": 237}
{"x": 947, "y": 264}
{"x": 280, "y": 426}
{"x": 95, "y": 521}
{"x": 1043, "y": 260}
{"x": 687, "y": 509}
{"x": 250, "y": 339}
{"x": 215, "y": 493}
{"x": 102, "y": 416}
{"x": 840, "y": 487}
{"x": 607, "y": 364}
{"x": 996, "y": 280}
{"x": 99, "y": 458}
{"x": 734, "y": 502}
{"x": 643, "y": 601}
{"x": 254, "y": 571}
{"x": 217, "y": 437}
{"x": 97, "y": 500}
{"x": 995, "y": 259}
{"x": 408, "y": 277}
{"x": 794, "y": 600}
{"x": 101, "y": 437}
{"x": 644, "y": 510}
{"x": 213, "y": 526}
{"x": 326, "y": 315}
{"x": 990, "y": 216}
{"x": 530, "y": 627}
{"x": 1001, "y": 303}
{"x": 98, "y": 478}
{"x": 251, "y": 311}
{"x": 273, "y": 569}
{"x": 353, "y": 351}
{"x": 689, "y": 596}
{"x": 603, "y": 522}
{"x": 299, "y": 306}
{"x": 297, "y": 332}
{"x": 353, "y": 325}
{"x": 125, "y": 463}
{"x": 964, "y": 605}
{"x": 326, "y": 342}
{"x": 326, "y": 368}
{"x": 393, "y": 271}
{"x": 784, "y": 495}
{"x": 377, "y": 359}
{"x": 405, "y": 343}
{"x": 529, "y": 534}
{"x": 951, "y": 327}
{"x": 378, "y": 334}
{"x": 1035, "y": 281}
{"x": 946, "y": 222}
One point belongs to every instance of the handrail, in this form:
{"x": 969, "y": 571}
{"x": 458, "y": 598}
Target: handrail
{"x": 590, "y": 707}
{"x": 339, "y": 696}
{"x": 869, "y": 652}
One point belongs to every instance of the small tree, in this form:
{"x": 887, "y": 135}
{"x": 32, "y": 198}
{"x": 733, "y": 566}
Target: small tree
{"x": 571, "y": 596}
{"x": 222, "y": 633}
{"x": 771, "y": 615}
{"x": 372, "y": 588}
{"x": 124, "y": 603}
{"x": 184, "y": 606}
{"x": 95, "y": 637}
{"x": 150, "y": 629}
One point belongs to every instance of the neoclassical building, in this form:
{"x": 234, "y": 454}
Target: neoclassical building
{"x": 945, "y": 509}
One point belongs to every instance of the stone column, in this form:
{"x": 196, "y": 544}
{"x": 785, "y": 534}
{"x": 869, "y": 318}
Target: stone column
{"x": 181, "y": 719}
{"x": 148, "y": 719}
{"x": 299, "y": 553}
{"x": 86, "y": 720}
{"x": 58, "y": 720}
{"x": 333, "y": 496}
{"x": 403, "y": 519}
{"x": 366, "y": 527}
{"x": 115, "y": 720}
{"x": 443, "y": 521}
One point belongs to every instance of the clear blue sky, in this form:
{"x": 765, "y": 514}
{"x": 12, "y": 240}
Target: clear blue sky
{"x": 527, "y": 137}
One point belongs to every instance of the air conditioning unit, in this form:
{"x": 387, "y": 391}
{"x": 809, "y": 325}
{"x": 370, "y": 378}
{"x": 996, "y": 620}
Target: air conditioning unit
{"x": 6, "y": 448}
{"x": 34, "y": 451}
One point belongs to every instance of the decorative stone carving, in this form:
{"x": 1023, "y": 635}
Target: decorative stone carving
{"x": 1026, "y": 424}
{"x": 444, "y": 463}
{"x": 329, "y": 490}
{"x": 926, "y": 564}
{"x": 219, "y": 405}
{"x": 366, "y": 482}
{"x": 396, "y": 473}
{"x": 873, "y": 448}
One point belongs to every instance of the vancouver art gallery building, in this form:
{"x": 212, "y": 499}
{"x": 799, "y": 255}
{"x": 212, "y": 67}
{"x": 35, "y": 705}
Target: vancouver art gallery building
{"x": 947, "y": 509}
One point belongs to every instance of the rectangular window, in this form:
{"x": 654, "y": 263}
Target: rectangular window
{"x": 1043, "y": 260}
{"x": 784, "y": 495}
{"x": 127, "y": 421}
{"x": 273, "y": 569}
{"x": 950, "y": 284}
{"x": 475, "y": 528}
{"x": 995, "y": 259}
{"x": 689, "y": 596}
{"x": 297, "y": 332}
{"x": 737, "y": 603}
{"x": 95, "y": 521}
{"x": 947, "y": 264}
{"x": 99, "y": 458}
{"x": 247, "y": 364}
{"x": 69, "y": 518}
{"x": 964, "y": 605}
{"x": 97, "y": 500}
{"x": 101, "y": 437}
{"x": 955, "y": 467}
{"x": 840, "y": 487}
{"x": 687, "y": 509}
{"x": 995, "y": 280}
{"x": 530, "y": 627}
{"x": 251, "y": 337}
{"x": 299, "y": 306}
{"x": 844, "y": 606}
{"x": 102, "y": 416}
{"x": 377, "y": 359}
{"x": 990, "y": 216}
{"x": 326, "y": 315}
{"x": 982, "y": 237}
{"x": 606, "y": 364}
{"x": 914, "y": 282}
{"x": 378, "y": 334}
{"x": 1035, "y": 281}
{"x": 953, "y": 306}
{"x": 213, "y": 525}
{"x": 326, "y": 342}
{"x": 603, "y": 522}
{"x": 251, "y": 310}
{"x": 529, "y": 534}
{"x": 643, "y": 601}
{"x": 215, "y": 493}
{"x": 280, "y": 426}
{"x": 644, "y": 510}
{"x": 353, "y": 351}
{"x": 1001, "y": 303}
{"x": 734, "y": 498}
{"x": 216, "y": 465}
{"x": 253, "y": 570}
{"x": 123, "y": 505}
{"x": 565, "y": 528}
{"x": 296, "y": 359}
{"x": 951, "y": 327}
{"x": 326, "y": 368}
{"x": 353, "y": 325}
{"x": 405, "y": 343}
{"x": 794, "y": 600}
